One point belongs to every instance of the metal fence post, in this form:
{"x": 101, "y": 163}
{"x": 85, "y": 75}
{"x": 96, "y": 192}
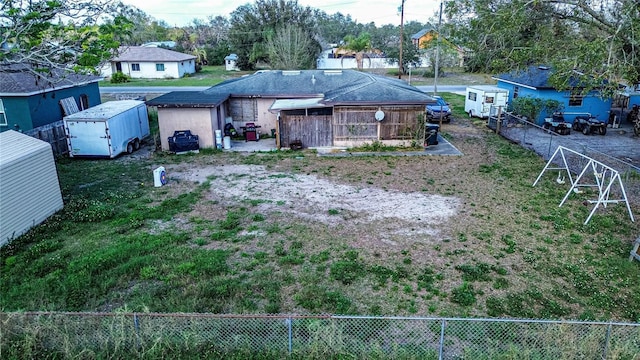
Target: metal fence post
{"x": 606, "y": 342}
{"x": 136, "y": 326}
{"x": 289, "y": 321}
{"x": 442, "y": 327}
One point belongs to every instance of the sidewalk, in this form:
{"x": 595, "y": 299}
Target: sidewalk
{"x": 444, "y": 147}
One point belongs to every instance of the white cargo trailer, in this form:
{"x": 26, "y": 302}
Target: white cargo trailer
{"x": 108, "y": 129}
{"x": 480, "y": 99}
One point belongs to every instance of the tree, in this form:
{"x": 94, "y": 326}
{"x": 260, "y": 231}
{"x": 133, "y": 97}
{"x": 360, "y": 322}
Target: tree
{"x": 585, "y": 41}
{"x": 333, "y": 28}
{"x": 59, "y": 36}
{"x": 359, "y": 46}
{"x": 290, "y": 48}
{"x": 144, "y": 27}
{"x": 438, "y": 43}
{"x": 253, "y": 24}
{"x": 201, "y": 55}
{"x": 410, "y": 55}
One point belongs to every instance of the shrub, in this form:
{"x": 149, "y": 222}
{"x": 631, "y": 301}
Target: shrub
{"x": 464, "y": 295}
{"x": 119, "y": 78}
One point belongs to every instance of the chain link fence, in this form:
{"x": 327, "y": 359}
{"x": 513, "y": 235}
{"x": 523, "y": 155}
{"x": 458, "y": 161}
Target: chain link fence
{"x": 619, "y": 153}
{"x": 126, "y": 335}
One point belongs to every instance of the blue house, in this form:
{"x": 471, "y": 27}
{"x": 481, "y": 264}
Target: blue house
{"x": 29, "y": 100}
{"x": 534, "y": 82}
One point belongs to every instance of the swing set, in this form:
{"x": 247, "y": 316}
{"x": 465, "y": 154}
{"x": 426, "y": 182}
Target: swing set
{"x": 604, "y": 179}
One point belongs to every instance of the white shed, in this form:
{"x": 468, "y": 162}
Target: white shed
{"x": 29, "y": 187}
{"x": 230, "y": 62}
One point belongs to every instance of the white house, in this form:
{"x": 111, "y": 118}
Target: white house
{"x": 330, "y": 60}
{"x": 231, "y": 62}
{"x": 151, "y": 63}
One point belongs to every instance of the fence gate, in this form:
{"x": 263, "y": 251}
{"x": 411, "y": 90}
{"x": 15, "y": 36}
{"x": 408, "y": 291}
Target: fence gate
{"x": 311, "y": 131}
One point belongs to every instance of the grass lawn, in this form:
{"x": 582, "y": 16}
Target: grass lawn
{"x": 212, "y": 75}
{"x": 508, "y": 251}
{"x": 208, "y": 76}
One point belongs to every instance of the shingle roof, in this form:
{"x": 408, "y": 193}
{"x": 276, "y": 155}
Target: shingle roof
{"x": 533, "y": 76}
{"x": 335, "y": 87}
{"x": 421, "y": 33}
{"x": 148, "y": 54}
{"x": 189, "y": 99}
{"x": 536, "y": 76}
{"x": 19, "y": 80}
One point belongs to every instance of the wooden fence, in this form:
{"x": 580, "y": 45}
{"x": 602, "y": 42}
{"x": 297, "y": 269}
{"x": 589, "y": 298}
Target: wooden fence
{"x": 310, "y": 131}
{"x": 53, "y": 134}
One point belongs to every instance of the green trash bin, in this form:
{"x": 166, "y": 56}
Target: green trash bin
{"x": 431, "y": 135}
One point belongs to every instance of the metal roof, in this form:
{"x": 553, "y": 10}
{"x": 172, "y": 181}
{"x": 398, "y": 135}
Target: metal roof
{"x": 16, "y": 146}
{"x": 105, "y": 110}
{"x": 291, "y": 104}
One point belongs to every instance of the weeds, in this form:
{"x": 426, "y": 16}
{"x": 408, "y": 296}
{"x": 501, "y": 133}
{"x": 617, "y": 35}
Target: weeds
{"x": 119, "y": 243}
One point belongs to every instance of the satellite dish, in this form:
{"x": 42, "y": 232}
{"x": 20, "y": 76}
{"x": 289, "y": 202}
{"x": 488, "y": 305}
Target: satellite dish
{"x": 379, "y": 115}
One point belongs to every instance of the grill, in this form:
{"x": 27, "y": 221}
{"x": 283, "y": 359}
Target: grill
{"x": 251, "y": 132}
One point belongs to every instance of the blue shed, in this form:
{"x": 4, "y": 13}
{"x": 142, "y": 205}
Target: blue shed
{"x": 29, "y": 100}
{"x": 534, "y": 82}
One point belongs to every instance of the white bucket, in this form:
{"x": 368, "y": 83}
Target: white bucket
{"x": 227, "y": 142}
{"x": 218, "y": 139}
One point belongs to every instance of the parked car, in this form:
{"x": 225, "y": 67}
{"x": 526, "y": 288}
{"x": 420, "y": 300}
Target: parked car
{"x": 438, "y": 110}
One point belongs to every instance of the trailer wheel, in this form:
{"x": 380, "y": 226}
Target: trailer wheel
{"x": 602, "y": 130}
{"x": 136, "y": 144}
{"x": 129, "y": 148}
{"x": 470, "y": 114}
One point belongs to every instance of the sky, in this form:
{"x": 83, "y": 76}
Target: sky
{"x": 381, "y": 12}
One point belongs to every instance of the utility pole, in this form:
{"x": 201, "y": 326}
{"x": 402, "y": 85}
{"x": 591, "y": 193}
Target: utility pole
{"x": 401, "y": 39}
{"x": 435, "y": 78}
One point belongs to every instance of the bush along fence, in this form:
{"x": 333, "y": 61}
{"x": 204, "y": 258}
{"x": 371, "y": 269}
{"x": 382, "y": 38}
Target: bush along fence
{"x": 147, "y": 335}
{"x": 545, "y": 142}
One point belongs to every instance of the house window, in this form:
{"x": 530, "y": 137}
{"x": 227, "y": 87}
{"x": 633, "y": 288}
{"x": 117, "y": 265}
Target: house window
{"x": 159, "y": 67}
{"x": 515, "y": 91}
{"x": 84, "y": 102}
{"x": 135, "y": 67}
{"x": 575, "y": 99}
{"x": 472, "y": 96}
{"x": 3, "y": 116}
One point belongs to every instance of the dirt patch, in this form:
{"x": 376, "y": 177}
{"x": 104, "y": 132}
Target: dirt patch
{"x": 316, "y": 199}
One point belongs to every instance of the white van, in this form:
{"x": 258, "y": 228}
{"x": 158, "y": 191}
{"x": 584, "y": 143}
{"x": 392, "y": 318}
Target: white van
{"x": 479, "y": 99}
